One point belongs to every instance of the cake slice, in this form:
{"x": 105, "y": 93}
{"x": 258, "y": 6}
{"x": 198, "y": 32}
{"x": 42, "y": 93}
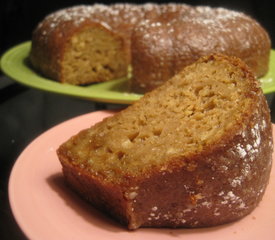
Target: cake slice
{"x": 195, "y": 152}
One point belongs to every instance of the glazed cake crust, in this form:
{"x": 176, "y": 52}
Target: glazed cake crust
{"x": 215, "y": 183}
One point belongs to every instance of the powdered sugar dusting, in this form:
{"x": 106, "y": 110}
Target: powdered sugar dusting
{"x": 123, "y": 16}
{"x": 186, "y": 35}
{"x": 241, "y": 150}
{"x": 112, "y": 17}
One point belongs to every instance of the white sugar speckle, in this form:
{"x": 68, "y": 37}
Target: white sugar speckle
{"x": 248, "y": 147}
{"x": 155, "y": 208}
{"x": 236, "y": 182}
{"x": 241, "y": 150}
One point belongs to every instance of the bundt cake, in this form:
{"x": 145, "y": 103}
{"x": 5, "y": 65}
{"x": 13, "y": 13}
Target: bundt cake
{"x": 85, "y": 44}
{"x": 194, "y": 152}
{"x": 162, "y": 46}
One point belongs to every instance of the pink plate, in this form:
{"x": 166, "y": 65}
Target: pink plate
{"x": 46, "y": 209}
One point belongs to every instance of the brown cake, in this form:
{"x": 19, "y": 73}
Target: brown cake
{"x": 162, "y": 46}
{"x": 195, "y": 152}
{"x": 86, "y": 44}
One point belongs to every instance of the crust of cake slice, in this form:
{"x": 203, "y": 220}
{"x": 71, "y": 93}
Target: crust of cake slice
{"x": 216, "y": 184}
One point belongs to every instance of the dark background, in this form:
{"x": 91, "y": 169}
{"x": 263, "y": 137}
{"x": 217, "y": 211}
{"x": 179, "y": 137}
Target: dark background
{"x": 19, "y": 17}
{"x": 25, "y": 113}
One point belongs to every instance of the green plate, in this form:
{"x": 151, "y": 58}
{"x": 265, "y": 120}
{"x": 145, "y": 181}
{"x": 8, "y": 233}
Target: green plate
{"x": 14, "y": 64}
